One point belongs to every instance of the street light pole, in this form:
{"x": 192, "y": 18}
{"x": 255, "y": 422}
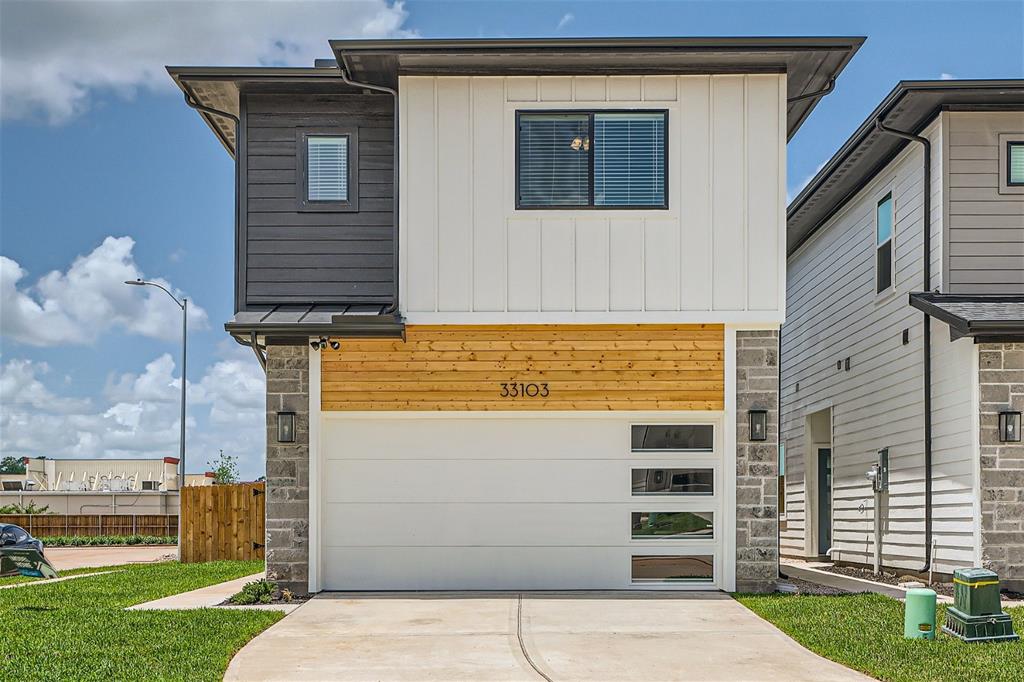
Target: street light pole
{"x": 183, "y": 304}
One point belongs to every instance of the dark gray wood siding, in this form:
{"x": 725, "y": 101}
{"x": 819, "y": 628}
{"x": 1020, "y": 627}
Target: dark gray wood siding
{"x": 291, "y": 256}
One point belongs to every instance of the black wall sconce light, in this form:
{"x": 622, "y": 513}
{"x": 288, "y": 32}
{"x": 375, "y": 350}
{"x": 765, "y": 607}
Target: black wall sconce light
{"x": 758, "y": 424}
{"x": 285, "y": 427}
{"x": 1009, "y": 427}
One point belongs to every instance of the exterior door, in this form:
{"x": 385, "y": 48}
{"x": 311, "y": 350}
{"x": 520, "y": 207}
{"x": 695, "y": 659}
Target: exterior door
{"x": 824, "y": 499}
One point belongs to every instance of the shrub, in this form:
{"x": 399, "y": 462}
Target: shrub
{"x": 256, "y": 592}
{"x": 29, "y": 508}
{"x": 107, "y": 540}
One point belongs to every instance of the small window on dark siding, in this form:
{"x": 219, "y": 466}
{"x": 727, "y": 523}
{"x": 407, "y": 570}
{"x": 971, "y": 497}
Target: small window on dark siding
{"x": 591, "y": 159}
{"x": 1015, "y": 164}
{"x": 884, "y": 224}
{"x": 327, "y": 169}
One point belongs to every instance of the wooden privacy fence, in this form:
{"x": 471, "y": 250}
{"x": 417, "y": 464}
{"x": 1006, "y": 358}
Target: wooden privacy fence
{"x": 222, "y": 522}
{"x": 49, "y": 525}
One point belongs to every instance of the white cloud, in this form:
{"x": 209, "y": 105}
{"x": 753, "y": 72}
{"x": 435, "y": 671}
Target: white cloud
{"x": 20, "y": 386}
{"x": 139, "y": 417}
{"x": 566, "y": 19}
{"x": 76, "y": 306}
{"x": 947, "y": 76}
{"x": 794, "y": 191}
{"x": 55, "y": 55}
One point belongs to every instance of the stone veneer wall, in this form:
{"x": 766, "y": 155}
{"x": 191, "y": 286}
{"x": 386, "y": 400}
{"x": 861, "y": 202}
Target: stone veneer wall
{"x": 288, "y": 468}
{"x": 757, "y": 463}
{"x": 1001, "y": 379}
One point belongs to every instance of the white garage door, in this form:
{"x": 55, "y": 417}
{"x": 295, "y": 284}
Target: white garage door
{"x": 469, "y": 503}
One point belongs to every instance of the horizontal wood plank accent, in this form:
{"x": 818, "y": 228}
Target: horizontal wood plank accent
{"x": 579, "y": 367}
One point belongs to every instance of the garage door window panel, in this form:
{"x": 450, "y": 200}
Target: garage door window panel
{"x": 673, "y": 481}
{"x": 648, "y": 568}
{"x": 672, "y": 525}
{"x": 672, "y": 438}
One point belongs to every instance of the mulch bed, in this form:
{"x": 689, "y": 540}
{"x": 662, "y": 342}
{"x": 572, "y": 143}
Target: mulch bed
{"x": 809, "y": 588}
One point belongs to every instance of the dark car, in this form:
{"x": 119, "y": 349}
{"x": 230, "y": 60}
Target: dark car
{"x": 22, "y": 554}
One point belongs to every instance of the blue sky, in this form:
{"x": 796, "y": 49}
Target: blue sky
{"x": 96, "y": 146}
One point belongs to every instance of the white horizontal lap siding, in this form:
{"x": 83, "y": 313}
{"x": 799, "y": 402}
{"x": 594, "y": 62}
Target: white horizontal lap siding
{"x": 716, "y": 254}
{"x": 833, "y": 313}
{"x": 985, "y": 239}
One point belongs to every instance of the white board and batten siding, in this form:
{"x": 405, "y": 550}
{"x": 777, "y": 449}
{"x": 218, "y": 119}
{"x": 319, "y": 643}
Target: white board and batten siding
{"x": 715, "y": 255}
{"x": 985, "y": 235}
{"x": 834, "y": 314}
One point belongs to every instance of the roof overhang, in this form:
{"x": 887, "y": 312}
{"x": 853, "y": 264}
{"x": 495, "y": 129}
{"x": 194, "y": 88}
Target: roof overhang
{"x": 984, "y": 317}
{"x": 810, "y": 63}
{"x": 910, "y": 107}
{"x": 218, "y": 87}
{"x": 296, "y": 324}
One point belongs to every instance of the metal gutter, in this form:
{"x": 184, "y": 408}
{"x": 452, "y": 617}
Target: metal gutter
{"x": 926, "y": 251}
{"x": 373, "y": 326}
{"x": 764, "y": 43}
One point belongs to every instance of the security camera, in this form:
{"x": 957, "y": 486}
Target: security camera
{"x": 335, "y": 345}
{"x": 315, "y": 345}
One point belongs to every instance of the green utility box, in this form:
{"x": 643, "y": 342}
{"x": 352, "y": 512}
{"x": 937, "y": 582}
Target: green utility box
{"x": 976, "y": 614}
{"x": 919, "y": 614}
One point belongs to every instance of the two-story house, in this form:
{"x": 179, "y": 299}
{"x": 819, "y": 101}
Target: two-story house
{"x": 518, "y": 303}
{"x": 903, "y": 347}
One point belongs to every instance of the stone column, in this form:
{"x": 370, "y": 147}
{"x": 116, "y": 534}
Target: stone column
{"x": 757, "y": 463}
{"x": 1001, "y": 379}
{"x": 288, "y": 469}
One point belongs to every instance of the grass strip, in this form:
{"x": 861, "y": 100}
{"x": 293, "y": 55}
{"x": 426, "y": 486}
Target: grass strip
{"x": 865, "y": 632}
{"x": 79, "y": 629}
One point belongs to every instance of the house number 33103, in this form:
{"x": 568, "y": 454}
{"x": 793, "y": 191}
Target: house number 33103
{"x": 524, "y": 390}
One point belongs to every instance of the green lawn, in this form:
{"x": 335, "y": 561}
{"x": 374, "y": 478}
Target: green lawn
{"x": 78, "y": 629}
{"x": 15, "y": 579}
{"x": 865, "y": 632}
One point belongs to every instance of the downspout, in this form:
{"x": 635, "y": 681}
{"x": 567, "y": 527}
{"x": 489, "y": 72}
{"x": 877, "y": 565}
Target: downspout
{"x": 927, "y": 249}
{"x": 347, "y": 80}
{"x": 226, "y": 114}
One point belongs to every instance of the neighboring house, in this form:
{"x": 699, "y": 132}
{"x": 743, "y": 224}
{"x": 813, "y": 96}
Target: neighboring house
{"x": 894, "y": 359}
{"x": 95, "y": 486}
{"x": 521, "y": 347}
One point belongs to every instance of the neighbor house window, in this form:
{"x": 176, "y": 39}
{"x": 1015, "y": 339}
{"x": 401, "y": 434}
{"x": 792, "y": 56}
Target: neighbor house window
{"x": 606, "y": 159}
{"x": 884, "y": 220}
{"x": 1015, "y": 164}
{"x": 327, "y": 170}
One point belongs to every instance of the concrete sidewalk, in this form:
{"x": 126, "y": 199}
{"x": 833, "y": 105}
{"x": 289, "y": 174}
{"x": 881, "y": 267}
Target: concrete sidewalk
{"x": 564, "y": 636}
{"x": 66, "y": 558}
{"x": 197, "y": 599}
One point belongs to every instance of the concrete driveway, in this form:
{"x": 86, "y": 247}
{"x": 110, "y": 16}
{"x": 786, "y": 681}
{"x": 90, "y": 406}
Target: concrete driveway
{"x": 534, "y": 636}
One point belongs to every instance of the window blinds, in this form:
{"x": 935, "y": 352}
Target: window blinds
{"x": 629, "y": 159}
{"x": 591, "y": 159}
{"x": 327, "y": 168}
{"x": 1015, "y": 163}
{"x": 553, "y": 160}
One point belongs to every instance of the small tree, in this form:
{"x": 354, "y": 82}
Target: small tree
{"x": 224, "y": 468}
{"x": 12, "y": 465}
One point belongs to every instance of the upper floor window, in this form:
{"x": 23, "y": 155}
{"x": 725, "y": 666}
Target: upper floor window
{"x": 1015, "y": 164}
{"x": 327, "y": 169}
{"x": 597, "y": 159}
{"x": 884, "y": 220}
